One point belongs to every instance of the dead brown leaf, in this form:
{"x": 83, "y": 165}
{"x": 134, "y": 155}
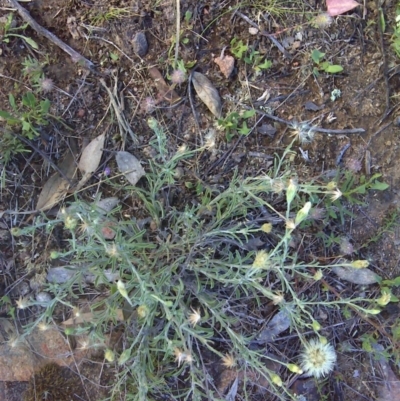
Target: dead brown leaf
{"x": 163, "y": 88}
{"x": 130, "y": 166}
{"x": 57, "y": 186}
{"x": 356, "y": 276}
{"x": 207, "y": 93}
{"x": 90, "y": 159}
{"x": 226, "y": 64}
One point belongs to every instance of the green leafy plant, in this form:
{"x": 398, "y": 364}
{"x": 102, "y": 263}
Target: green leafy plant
{"x": 353, "y": 185}
{"x": 236, "y": 123}
{"x": 396, "y": 32}
{"x": 188, "y": 281}
{"x": 99, "y": 17}
{"x": 249, "y": 55}
{"x": 238, "y": 48}
{"x": 31, "y": 114}
{"x": 9, "y": 32}
{"x": 323, "y": 65}
{"x": 33, "y": 69}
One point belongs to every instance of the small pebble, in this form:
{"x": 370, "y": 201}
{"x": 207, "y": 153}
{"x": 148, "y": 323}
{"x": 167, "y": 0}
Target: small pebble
{"x": 139, "y": 44}
{"x": 43, "y": 297}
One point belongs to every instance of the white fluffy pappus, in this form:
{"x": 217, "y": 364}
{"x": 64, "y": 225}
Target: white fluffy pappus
{"x": 317, "y": 358}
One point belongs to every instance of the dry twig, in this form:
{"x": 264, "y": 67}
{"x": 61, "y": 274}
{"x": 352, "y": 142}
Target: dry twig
{"x": 76, "y": 57}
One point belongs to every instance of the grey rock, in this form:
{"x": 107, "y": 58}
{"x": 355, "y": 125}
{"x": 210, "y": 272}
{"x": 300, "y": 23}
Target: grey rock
{"x": 139, "y": 44}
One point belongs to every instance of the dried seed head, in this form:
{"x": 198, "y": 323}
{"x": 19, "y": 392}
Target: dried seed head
{"x": 322, "y": 21}
{"x": 46, "y": 85}
{"x": 22, "y": 303}
{"x": 353, "y": 164}
{"x": 261, "y": 260}
{"x": 228, "y": 361}
{"x": 178, "y": 77}
{"x": 346, "y": 247}
{"x": 148, "y": 105}
{"x": 303, "y": 132}
{"x": 182, "y": 357}
{"x": 317, "y": 358}
{"x": 317, "y": 213}
{"x": 335, "y": 195}
{"x": 194, "y": 317}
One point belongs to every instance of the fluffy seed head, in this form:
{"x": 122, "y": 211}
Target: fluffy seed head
{"x": 317, "y": 213}
{"x": 181, "y": 357}
{"x": 322, "y": 20}
{"x": 346, "y": 247}
{"x": 148, "y": 105}
{"x": 228, "y": 361}
{"x": 194, "y": 317}
{"x": 317, "y": 358}
{"x": 261, "y": 260}
{"x": 353, "y": 164}
{"x": 178, "y": 77}
{"x": 303, "y": 132}
{"x": 46, "y": 85}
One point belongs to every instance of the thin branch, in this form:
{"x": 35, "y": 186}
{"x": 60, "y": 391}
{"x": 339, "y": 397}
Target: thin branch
{"x": 76, "y": 57}
{"x": 316, "y": 129}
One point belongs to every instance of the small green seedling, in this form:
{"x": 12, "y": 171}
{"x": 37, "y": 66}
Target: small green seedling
{"x": 323, "y": 65}
{"x": 7, "y": 32}
{"x": 236, "y": 123}
{"x": 238, "y": 48}
{"x": 249, "y": 55}
{"x": 396, "y": 33}
{"x": 31, "y": 114}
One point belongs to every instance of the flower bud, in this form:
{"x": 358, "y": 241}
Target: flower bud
{"x": 294, "y": 368}
{"x": 359, "y": 264}
{"x": 316, "y": 326}
{"x": 384, "y": 299}
{"x": 109, "y": 355}
{"x": 302, "y": 213}
{"x": 291, "y": 191}
{"x": 276, "y": 380}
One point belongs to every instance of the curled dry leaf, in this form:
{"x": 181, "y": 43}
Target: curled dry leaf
{"x": 90, "y": 159}
{"x": 279, "y": 323}
{"x": 356, "y": 276}
{"x": 164, "y": 91}
{"x": 130, "y": 167}
{"x": 207, "y": 93}
{"x": 338, "y": 7}
{"x": 57, "y": 185}
{"x": 73, "y": 28}
{"x": 226, "y": 64}
{"x": 105, "y": 205}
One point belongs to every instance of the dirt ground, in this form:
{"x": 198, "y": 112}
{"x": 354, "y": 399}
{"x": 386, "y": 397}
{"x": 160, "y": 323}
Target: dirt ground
{"x": 369, "y": 85}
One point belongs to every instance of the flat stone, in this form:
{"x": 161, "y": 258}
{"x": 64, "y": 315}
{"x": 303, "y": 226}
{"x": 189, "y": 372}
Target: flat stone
{"x": 139, "y": 44}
